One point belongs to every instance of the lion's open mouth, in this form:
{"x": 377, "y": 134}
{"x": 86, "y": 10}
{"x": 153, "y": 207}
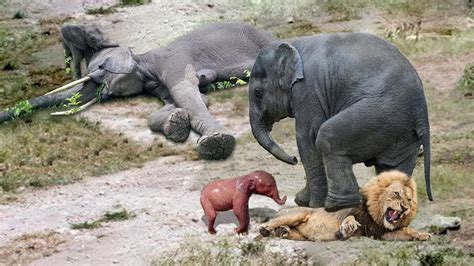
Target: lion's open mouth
{"x": 393, "y": 216}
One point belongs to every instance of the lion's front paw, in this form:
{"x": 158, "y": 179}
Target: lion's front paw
{"x": 349, "y": 226}
{"x": 282, "y": 231}
{"x": 265, "y": 231}
{"x": 423, "y": 236}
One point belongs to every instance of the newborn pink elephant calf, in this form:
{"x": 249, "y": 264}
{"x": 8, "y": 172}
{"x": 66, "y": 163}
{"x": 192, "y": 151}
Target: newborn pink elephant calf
{"x": 234, "y": 193}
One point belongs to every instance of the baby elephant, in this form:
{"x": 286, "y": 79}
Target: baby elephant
{"x": 234, "y": 193}
{"x": 82, "y": 41}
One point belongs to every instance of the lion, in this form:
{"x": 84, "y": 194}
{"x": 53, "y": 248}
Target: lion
{"x": 388, "y": 206}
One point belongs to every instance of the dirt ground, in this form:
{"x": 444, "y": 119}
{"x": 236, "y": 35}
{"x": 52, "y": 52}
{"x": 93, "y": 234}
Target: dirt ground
{"x": 163, "y": 195}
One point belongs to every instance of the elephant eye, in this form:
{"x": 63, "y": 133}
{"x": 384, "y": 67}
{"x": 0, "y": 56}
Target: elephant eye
{"x": 259, "y": 92}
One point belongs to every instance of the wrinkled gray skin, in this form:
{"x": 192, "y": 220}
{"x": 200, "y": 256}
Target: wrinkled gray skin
{"x": 174, "y": 73}
{"x": 355, "y": 98}
{"x": 82, "y": 41}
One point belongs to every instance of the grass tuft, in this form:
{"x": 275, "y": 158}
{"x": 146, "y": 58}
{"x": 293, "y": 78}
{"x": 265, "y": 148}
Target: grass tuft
{"x": 135, "y": 2}
{"x": 86, "y": 225}
{"x": 226, "y": 251}
{"x": 121, "y": 215}
{"x": 466, "y": 83}
{"x": 19, "y": 15}
{"x": 111, "y": 216}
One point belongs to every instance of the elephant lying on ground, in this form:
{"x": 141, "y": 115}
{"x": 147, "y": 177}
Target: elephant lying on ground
{"x": 355, "y": 98}
{"x": 82, "y": 41}
{"x": 174, "y": 73}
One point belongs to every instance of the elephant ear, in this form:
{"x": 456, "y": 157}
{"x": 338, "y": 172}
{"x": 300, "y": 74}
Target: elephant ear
{"x": 120, "y": 63}
{"x": 245, "y": 184}
{"x": 290, "y": 66}
{"x": 75, "y": 35}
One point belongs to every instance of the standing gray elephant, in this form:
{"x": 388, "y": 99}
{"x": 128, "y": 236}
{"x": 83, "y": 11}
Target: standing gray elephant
{"x": 82, "y": 41}
{"x": 174, "y": 73}
{"x": 355, "y": 98}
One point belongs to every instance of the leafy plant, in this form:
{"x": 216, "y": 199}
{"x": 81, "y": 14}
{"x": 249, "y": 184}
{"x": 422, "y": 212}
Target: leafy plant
{"x": 22, "y": 109}
{"x": 238, "y": 81}
{"x": 247, "y": 73}
{"x": 73, "y": 103}
{"x": 98, "y": 91}
{"x": 232, "y": 82}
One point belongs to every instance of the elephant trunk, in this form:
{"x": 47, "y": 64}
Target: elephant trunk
{"x": 107, "y": 45}
{"x": 276, "y": 198}
{"x": 262, "y": 134}
{"x": 86, "y": 90}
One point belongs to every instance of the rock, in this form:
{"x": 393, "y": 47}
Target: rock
{"x": 441, "y": 224}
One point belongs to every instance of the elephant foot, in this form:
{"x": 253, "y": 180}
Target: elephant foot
{"x": 177, "y": 126}
{"x": 219, "y": 146}
{"x": 334, "y": 203}
{"x": 302, "y": 198}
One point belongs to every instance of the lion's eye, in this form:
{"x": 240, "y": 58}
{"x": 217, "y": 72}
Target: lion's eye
{"x": 397, "y": 194}
{"x": 409, "y": 199}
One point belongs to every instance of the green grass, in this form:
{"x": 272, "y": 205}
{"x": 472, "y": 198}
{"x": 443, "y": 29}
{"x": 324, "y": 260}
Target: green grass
{"x": 21, "y": 78}
{"x": 111, "y": 216}
{"x": 87, "y": 225}
{"x": 113, "y": 8}
{"x": 120, "y": 215}
{"x": 297, "y": 29}
{"x": 225, "y": 251}
{"x": 455, "y": 44}
{"x": 135, "y": 2}
{"x": 437, "y": 251}
{"x": 466, "y": 83}
{"x": 46, "y": 150}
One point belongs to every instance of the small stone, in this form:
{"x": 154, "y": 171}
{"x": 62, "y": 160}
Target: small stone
{"x": 115, "y": 261}
{"x": 290, "y": 20}
{"x": 101, "y": 193}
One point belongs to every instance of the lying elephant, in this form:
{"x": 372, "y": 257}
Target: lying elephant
{"x": 355, "y": 98}
{"x": 174, "y": 73}
{"x": 82, "y": 41}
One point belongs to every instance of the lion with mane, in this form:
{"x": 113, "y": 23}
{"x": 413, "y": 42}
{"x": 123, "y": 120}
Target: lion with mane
{"x": 388, "y": 206}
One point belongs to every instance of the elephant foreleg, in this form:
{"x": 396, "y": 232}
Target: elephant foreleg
{"x": 77, "y": 56}
{"x": 173, "y": 122}
{"x": 315, "y": 191}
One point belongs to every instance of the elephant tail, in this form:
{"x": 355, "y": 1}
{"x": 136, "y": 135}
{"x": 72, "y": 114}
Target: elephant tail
{"x": 423, "y": 133}
{"x": 425, "y": 140}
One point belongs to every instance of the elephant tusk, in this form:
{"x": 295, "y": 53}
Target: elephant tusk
{"x": 70, "y": 85}
{"x": 79, "y": 109}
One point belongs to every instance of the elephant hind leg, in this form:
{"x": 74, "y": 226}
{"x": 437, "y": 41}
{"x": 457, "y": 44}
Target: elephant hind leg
{"x": 172, "y": 122}
{"x": 219, "y": 146}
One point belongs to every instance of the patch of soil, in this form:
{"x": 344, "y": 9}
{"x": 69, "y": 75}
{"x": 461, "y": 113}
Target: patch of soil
{"x": 443, "y": 72}
{"x": 29, "y": 247}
